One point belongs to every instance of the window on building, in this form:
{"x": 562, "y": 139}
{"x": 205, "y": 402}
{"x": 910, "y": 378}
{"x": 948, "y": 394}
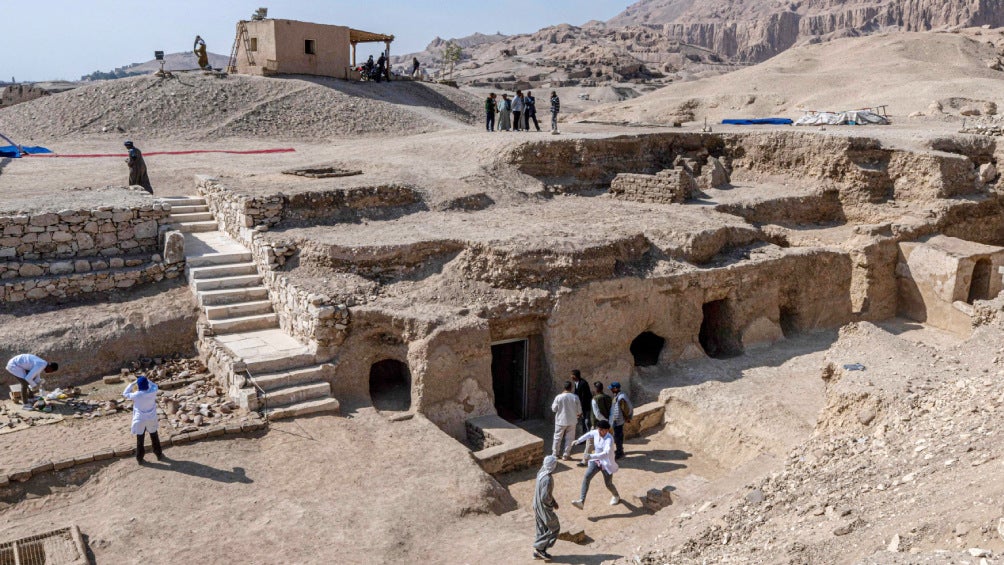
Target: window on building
{"x": 308, "y": 47}
{"x": 254, "y": 44}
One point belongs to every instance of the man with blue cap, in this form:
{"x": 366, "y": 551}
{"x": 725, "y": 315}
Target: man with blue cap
{"x": 144, "y": 415}
{"x": 137, "y": 168}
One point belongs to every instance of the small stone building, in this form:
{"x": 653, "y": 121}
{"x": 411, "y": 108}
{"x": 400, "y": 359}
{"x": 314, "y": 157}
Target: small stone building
{"x": 301, "y": 48}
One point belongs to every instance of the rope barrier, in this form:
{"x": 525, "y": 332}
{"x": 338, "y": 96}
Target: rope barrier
{"x": 155, "y": 153}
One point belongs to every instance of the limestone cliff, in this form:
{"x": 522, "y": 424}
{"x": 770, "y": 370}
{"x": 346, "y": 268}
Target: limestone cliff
{"x": 755, "y": 30}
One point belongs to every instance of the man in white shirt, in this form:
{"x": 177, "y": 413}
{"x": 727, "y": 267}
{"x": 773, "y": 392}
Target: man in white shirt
{"x": 144, "y": 415}
{"x": 601, "y": 460}
{"x": 28, "y": 369}
{"x": 567, "y": 408}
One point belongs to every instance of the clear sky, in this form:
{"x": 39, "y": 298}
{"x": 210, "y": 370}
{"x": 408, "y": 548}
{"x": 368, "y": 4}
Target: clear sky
{"x": 64, "y": 39}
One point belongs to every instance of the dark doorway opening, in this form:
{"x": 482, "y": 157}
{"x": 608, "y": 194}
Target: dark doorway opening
{"x": 979, "y": 288}
{"x": 789, "y": 321}
{"x": 646, "y": 349}
{"x": 390, "y": 385}
{"x": 718, "y": 336}
{"x": 509, "y": 379}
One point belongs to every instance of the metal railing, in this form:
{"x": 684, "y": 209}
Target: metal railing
{"x": 260, "y": 394}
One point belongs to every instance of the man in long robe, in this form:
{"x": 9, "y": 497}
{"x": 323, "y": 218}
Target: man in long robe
{"x": 544, "y": 506}
{"x": 137, "y": 168}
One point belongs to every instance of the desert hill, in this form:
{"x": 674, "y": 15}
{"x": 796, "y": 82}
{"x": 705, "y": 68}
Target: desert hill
{"x": 755, "y": 30}
{"x": 908, "y": 72}
{"x": 184, "y": 61}
{"x": 195, "y": 106}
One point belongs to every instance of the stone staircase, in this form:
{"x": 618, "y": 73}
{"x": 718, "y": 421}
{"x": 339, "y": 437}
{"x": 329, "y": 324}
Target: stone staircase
{"x": 228, "y": 286}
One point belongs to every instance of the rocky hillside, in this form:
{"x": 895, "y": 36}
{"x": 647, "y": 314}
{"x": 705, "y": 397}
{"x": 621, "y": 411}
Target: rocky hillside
{"x": 755, "y": 30}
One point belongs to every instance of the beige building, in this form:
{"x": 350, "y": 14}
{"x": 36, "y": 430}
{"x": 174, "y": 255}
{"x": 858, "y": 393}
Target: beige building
{"x": 292, "y": 47}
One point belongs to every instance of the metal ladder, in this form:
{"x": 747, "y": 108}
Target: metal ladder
{"x": 242, "y": 34}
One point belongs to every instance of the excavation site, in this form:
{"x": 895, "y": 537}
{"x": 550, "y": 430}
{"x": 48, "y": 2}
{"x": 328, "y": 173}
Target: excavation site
{"x": 359, "y": 312}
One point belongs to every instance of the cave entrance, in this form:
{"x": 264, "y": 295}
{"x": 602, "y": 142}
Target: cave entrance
{"x": 509, "y": 378}
{"x": 789, "y": 321}
{"x": 979, "y": 288}
{"x": 390, "y": 385}
{"x": 646, "y": 349}
{"x": 718, "y": 336}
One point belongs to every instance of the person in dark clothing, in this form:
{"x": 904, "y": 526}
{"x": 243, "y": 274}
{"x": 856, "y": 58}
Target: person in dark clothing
{"x": 382, "y": 67}
{"x": 530, "y": 113}
{"x": 555, "y": 109}
{"x": 414, "y": 67}
{"x": 581, "y": 389}
{"x": 137, "y": 168}
{"x": 517, "y": 111}
{"x": 490, "y": 107}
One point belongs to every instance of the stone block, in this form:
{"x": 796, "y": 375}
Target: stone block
{"x": 104, "y": 454}
{"x": 64, "y": 464}
{"x": 30, "y": 270}
{"x": 44, "y": 220}
{"x": 61, "y": 268}
{"x": 43, "y": 467}
{"x": 174, "y": 247}
{"x": 21, "y": 475}
{"x": 83, "y": 459}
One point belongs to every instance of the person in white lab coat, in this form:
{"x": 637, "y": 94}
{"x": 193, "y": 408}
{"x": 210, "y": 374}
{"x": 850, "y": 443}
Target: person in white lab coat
{"x": 601, "y": 460}
{"x": 28, "y": 369}
{"x": 144, "y": 416}
{"x": 566, "y": 408}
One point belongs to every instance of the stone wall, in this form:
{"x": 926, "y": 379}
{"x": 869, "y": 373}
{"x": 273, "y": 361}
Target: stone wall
{"x": 106, "y": 232}
{"x": 504, "y": 447}
{"x": 669, "y": 186}
{"x": 348, "y": 205}
{"x": 307, "y": 316}
{"x": 116, "y": 273}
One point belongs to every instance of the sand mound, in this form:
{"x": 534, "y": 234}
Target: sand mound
{"x": 195, "y": 106}
{"x": 906, "y": 71}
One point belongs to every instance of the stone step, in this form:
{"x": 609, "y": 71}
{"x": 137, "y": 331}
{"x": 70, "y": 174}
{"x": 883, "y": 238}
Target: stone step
{"x": 299, "y": 393}
{"x": 285, "y": 363}
{"x": 232, "y": 295}
{"x": 189, "y": 209}
{"x": 320, "y": 406}
{"x": 244, "y": 324}
{"x": 240, "y": 281}
{"x": 238, "y": 310}
{"x": 193, "y": 227}
{"x": 218, "y": 271}
{"x": 273, "y": 381}
{"x": 217, "y": 259}
{"x": 184, "y": 201}
{"x": 179, "y": 218}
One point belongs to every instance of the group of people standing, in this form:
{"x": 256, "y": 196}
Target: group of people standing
{"x": 601, "y": 418}
{"x": 515, "y": 114}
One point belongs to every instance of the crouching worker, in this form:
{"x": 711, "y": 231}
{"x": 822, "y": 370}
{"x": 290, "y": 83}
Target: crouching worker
{"x": 144, "y": 416}
{"x": 28, "y": 369}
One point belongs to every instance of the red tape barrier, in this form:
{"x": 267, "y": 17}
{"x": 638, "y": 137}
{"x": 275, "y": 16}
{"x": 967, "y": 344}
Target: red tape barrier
{"x": 154, "y": 153}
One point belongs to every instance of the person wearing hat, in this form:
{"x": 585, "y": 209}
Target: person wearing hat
{"x": 28, "y": 369}
{"x": 600, "y": 461}
{"x": 620, "y": 414}
{"x": 137, "y": 168}
{"x": 544, "y": 506}
{"x": 144, "y": 416}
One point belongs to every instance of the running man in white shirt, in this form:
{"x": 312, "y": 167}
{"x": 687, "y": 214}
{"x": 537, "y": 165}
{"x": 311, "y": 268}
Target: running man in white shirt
{"x": 600, "y": 461}
{"x": 28, "y": 369}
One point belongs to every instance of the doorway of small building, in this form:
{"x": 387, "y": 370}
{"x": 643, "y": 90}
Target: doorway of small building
{"x": 646, "y": 349}
{"x": 979, "y": 288}
{"x": 509, "y": 372}
{"x": 718, "y": 335}
{"x": 789, "y": 321}
{"x": 390, "y": 385}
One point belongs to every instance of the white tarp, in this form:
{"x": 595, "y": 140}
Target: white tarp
{"x": 853, "y": 117}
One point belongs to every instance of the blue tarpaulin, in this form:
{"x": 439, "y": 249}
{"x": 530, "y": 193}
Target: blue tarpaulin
{"x": 12, "y": 151}
{"x": 759, "y": 122}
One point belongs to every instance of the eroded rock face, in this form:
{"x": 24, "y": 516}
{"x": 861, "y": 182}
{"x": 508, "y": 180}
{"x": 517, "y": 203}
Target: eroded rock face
{"x": 756, "y": 31}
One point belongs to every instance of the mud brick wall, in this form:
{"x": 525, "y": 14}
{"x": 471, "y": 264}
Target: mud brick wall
{"x": 334, "y": 206}
{"x": 69, "y": 234}
{"x": 671, "y": 186}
